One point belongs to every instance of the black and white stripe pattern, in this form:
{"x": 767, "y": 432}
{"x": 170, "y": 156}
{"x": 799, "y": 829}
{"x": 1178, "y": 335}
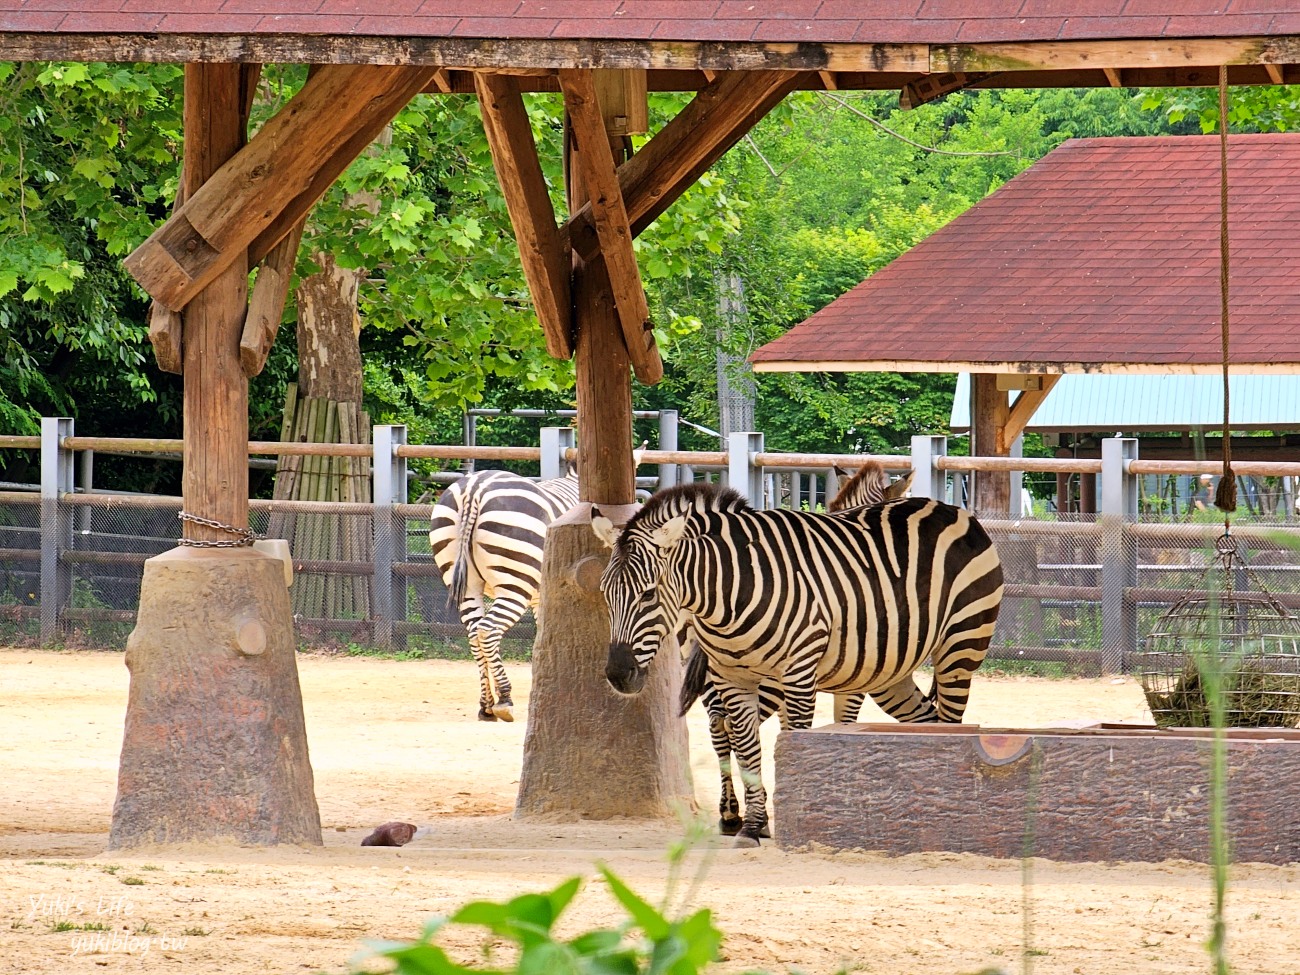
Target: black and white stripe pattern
{"x": 486, "y": 534}
{"x": 851, "y": 602}
{"x": 869, "y": 485}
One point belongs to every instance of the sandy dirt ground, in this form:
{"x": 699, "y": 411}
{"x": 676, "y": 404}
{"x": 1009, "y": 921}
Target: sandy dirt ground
{"x": 397, "y": 740}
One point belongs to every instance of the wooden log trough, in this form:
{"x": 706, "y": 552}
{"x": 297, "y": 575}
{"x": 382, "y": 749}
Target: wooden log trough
{"x": 1097, "y": 793}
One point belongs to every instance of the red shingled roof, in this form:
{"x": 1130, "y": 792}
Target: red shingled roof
{"x": 1103, "y": 255}
{"x": 818, "y": 21}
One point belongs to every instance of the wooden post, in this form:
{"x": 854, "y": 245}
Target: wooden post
{"x": 214, "y": 746}
{"x": 989, "y": 411}
{"x": 214, "y": 482}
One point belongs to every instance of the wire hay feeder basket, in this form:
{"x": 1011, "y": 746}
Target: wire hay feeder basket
{"x": 1242, "y": 640}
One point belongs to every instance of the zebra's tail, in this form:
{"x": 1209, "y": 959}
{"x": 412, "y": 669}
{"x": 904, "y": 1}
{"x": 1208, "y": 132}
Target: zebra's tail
{"x": 464, "y": 545}
{"x": 695, "y": 681}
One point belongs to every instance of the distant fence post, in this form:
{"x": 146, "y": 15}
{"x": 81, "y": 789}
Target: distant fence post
{"x": 555, "y": 441}
{"x": 742, "y": 475}
{"x": 1119, "y": 509}
{"x": 927, "y": 480}
{"x": 57, "y": 473}
{"x": 1017, "y": 506}
{"x": 389, "y": 531}
{"x": 667, "y": 441}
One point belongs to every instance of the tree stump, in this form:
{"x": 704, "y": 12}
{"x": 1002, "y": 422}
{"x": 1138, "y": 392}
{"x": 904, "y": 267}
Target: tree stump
{"x": 215, "y": 747}
{"x": 590, "y": 753}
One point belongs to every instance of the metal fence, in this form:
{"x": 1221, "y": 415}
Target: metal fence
{"x": 1082, "y": 589}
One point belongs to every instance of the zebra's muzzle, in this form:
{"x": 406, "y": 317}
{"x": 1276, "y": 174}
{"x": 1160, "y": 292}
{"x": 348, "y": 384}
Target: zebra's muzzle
{"x": 621, "y": 670}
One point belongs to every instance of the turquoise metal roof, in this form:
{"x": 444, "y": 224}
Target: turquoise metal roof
{"x": 1131, "y": 403}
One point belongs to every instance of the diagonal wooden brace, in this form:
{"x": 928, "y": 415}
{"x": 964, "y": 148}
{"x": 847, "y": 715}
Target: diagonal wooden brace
{"x": 596, "y": 162}
{"x": 282, "y": 171}
{"x": 685, "y": 148}
{"x": 266, "y": 306}
{"x": 514, "y": 156}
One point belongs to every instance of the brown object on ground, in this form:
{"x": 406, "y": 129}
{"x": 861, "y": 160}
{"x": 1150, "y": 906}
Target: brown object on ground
{"x": 215, "y": 747}
{"x": 1145, "y": 792}
{"x": 590, "y": 753}
{"x": 390, "y": 834}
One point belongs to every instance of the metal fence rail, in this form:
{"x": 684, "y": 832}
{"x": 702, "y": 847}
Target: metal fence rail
{"x": 1082, "y": 589}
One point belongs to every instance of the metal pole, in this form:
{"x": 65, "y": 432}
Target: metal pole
{"x": 56, "y": 524}
{"x": 470, "y": 426}
{"x": 1016, "y": 509}
{"x": 555, "y": 442}
{"x": 86, "y": 470}
{"x": 742, "y": 475}
{"x": 1119, "y": 508}
{"x": 667, "y": 441}
{"x": 389, "y": 529}
{"x": 928, "y": 481}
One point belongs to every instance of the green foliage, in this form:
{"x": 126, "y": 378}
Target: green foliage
{"x": 664, "y": 947}
{"x": 1264, "y": 108}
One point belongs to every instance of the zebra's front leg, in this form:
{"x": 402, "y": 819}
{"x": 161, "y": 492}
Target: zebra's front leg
{"x": 719, "y": 733}
{"x": 504, "y": 613}
{"x": 742, "y": 710}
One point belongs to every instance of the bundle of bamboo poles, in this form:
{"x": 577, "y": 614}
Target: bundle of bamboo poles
{"x": 332, "y": 537}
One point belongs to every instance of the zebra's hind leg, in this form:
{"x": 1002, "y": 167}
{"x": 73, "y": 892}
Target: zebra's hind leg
{"x": 504, "y": 613}
{"x": 471, "y": 614}
{"x": 903, "y": 701}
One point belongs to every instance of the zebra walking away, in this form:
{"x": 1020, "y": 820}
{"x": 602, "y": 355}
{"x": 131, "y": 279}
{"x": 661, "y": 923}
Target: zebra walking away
{"x": 486, "y": 533}
{"x": 869, "y": 485}
{"x": 851, "y": 602}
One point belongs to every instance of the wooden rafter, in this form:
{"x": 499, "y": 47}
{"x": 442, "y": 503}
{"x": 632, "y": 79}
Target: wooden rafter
{"x": 275, "y": 179}
{"x": 1114, "y": 77}
{"x": 596, "y": 163}
{"x": 1136, "y": 53}
{"x": 545, "y": 260}
{"x": 1276, "y": 73}
{"x": 682, "y": 150}
{"x": 1022, "y": 411}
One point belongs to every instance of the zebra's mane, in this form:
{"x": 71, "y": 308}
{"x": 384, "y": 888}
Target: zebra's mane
{"x": 867, "y": 486}
{"x": 665, "y": 505}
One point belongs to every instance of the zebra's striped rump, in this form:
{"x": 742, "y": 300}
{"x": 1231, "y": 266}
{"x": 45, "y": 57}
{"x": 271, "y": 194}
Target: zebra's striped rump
{"x": 850, "y": 603}
{"x": 487, "y": 533}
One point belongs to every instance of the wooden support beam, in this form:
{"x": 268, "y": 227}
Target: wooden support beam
{"x": 546, "y": 260}
{"x": 622, "y": 97}
{"x": 1022, "y": 411}
{"x": 989, "y": 410}
{"x": 1276, "y": 73}
{"x": 277, "y": 177}
{"x": 683, "y": 149}
{"x": 828, "y": 80}
{"x": 1132, "y": 53}
{"x": 266, "y": 307}
{"x": 597, "y": 169}
{"x": 214, "y": 480}
{"x": 1114, "y": 77}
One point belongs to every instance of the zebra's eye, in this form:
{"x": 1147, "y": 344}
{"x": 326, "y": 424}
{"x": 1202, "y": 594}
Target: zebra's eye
{"x": 649, "y": 597}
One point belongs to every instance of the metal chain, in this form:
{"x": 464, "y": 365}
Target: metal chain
{"x": 246, "y": 535}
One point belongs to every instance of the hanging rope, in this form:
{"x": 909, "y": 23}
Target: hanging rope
{"x": 1225, "y": 496}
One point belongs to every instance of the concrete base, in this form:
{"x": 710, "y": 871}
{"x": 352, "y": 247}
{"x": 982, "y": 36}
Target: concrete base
{"x": 215, "y": 747}
{"x": 590, "y": 753}
{"x": 1093, "y": 794}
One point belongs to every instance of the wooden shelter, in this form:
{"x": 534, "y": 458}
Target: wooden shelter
{"x": 1101, "y": 258}
{"x": 242, "y": 199}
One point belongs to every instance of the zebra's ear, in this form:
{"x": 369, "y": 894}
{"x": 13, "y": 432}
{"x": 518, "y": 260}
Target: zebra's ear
{"x": 669, "y": 533}
{"x": 603, "y": 527}
{"x": 900, "y": 487}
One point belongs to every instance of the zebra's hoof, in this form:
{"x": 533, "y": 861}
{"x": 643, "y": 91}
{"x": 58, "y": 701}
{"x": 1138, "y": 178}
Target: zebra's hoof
{"x": 730, "y": 827}
{"x": 485, "y": 715}
{"x": 503, "y": 711}
{"x": 745, "y": 842}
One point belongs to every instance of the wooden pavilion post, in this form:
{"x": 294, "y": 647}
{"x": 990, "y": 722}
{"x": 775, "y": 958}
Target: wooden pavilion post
{"x": 589, "y": 753}
{"x": 989, "y": 411}
{"x": 215, "y": 746}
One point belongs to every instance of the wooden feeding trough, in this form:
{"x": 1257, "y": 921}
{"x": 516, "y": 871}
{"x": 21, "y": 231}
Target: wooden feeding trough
{"x": 1103, "y": 792}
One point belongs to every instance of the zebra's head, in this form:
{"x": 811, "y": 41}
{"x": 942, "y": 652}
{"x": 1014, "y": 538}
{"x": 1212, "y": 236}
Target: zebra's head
{"x": 641, "y": 612}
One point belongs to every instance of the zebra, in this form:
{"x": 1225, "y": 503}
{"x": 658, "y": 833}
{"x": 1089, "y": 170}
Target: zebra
{"x": 847, "y": 602}
{"x": 486, "y": 533}
{"x": 870, "y": 485}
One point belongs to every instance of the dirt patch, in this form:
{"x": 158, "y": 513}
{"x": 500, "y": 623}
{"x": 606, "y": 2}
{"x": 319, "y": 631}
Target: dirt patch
{"x": 398, "y": 740}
